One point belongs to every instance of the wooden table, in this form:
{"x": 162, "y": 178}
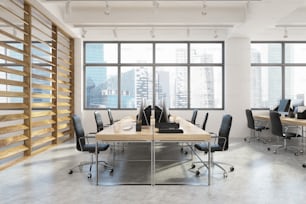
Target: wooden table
{"x": 125, "y": 131}
{"x": 285, "y": 120}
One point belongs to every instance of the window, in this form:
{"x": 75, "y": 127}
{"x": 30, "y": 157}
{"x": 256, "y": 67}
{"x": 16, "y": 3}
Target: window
{"x": 185, "y": 75}
{"x": 278, "y": 71}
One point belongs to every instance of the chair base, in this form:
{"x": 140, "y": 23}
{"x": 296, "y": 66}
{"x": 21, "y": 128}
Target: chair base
{"x": 256, "y": 137}
{"x": 296, "y": 150}
{"x": 213, "y": 163}
{"x": 218, "y": 164}
{"x": 85, "y": 163}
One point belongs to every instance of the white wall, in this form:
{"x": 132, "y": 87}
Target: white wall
{"x": 237, "y": 91}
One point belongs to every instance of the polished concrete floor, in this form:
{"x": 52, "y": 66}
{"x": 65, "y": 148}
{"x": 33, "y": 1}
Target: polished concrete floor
{"x": 259, "y": 177}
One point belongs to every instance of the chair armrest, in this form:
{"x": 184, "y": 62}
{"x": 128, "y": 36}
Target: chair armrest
{"x": 217, "y": 137}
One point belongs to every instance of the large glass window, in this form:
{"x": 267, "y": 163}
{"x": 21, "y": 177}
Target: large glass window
{"x": 205, "y": 89}
{"x": 136, "y": 53}
{"x": 136, "y": 83}
{"x": 171, "y": 53}
{"x": 101, "y": 87}
{"x": 171, "y": 86}
{"x": 278, "y": 71}
{"x": 184, "y": 75}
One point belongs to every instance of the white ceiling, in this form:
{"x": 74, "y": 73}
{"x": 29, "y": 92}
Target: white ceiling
{"x": 255, "y": 19}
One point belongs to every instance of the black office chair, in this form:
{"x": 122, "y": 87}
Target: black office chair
{"x": 83, "y": 145}
{"x": 205, "y": 121}
{"x": 203, "y": 128}
{"x": 278, "y": 130}
{"x": 194, "y": 116}
{"x": 254, "y": 128}
{"x": 110, "y": 116}
{"x": 220, "y": 144}
{"x": 99, "y": 122}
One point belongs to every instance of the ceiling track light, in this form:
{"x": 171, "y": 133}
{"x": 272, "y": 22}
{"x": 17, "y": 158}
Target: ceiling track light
{"x": 204, "y": 8}
{"x": 107, "y": 9}
{"x": 216, "y": 34}
{"x": 285, "y": 33}
{"x": 152, "y": 32}
{"x": 155, "y": 4}
{"x": 83, "y": 32}
{"x": 115, "y": 34}
{"x": 68, "y": 7}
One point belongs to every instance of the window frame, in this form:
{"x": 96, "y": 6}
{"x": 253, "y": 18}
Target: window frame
{"x": 188, "y": 64}
{"x": 282, "y": 64}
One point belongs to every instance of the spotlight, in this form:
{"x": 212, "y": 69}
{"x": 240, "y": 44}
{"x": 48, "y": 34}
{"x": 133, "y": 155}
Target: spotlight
{"x": 204, "y": 8}
{"x": 155, "y": 4}
{"x": 115, "y": 33}
{"x": 107, "y": 9}
{"x": 152, "y": 32}
{"x": 285, "y": 33}
{"x": 84, "y": 32}
{"x": 216, "y": 34}
{"x": 68, "y": 7}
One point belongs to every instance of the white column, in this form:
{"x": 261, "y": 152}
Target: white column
{"x": 237, "y": 83}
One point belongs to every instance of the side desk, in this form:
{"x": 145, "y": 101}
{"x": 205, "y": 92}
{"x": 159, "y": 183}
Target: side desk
{"x": 125, "y": 131}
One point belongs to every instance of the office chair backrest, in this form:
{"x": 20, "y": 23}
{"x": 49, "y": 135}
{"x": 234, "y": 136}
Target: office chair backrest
{"x": 250, "y": 119}
{"x": 276, "y": 124}
{"x": 205, "y": 121}
{"x": 110, "y": 116}
{"x": 194, "y": 116}
{"x": 224, "y": 130}
{"x": 79, "y": 132}
{"x": 99, "y": 121}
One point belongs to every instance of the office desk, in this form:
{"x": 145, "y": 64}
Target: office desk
{"x": 125, "y": 131}
{"x": 285, "y": 120}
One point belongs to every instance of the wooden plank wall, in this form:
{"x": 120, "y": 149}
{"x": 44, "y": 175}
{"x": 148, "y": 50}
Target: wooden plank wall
{"x": 36, "y": 82}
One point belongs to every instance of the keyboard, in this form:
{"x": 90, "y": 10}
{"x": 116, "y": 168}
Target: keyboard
{"x": 170, "y": 130}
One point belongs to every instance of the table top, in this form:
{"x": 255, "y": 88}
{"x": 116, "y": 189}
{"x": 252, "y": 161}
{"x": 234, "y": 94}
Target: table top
{"x": 125, "y": 130}
{"x": 286, "y": 120}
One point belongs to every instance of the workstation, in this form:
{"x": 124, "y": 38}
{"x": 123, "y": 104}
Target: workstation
{"x": 199, "y": 62}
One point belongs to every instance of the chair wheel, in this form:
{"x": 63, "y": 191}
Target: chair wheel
{"x": 182, "y": 149}
{"x": 304, "y": 165}
{"x": 197, "y": 173}
{"x": 89, "y": 176}
{"x": 232, "y": 169}
{"x": 268, "y": 148}
{"x": 245, "y": 139}
{"x": 185, "y": 152}
{"x": 111, "y": 171}
{"x": 70, "y": 171}
{"x": 225, "y": 175}
{"x": 193, "y": 166}
{"x": 296, "y": 154}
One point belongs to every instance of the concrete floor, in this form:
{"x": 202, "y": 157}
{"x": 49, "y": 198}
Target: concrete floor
{"x": 259, "y": 177}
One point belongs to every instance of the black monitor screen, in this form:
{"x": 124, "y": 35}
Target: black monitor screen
{"x": 158, "y": 112}
{"x": 144, "y": 113}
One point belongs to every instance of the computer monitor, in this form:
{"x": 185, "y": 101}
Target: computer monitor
{"x": 284, "y": 106}
{"x": 144, "y": 113}
{"x": 161, "y": 113}
{"x": 158, "y": 112}
{"x": 296, "y": 103}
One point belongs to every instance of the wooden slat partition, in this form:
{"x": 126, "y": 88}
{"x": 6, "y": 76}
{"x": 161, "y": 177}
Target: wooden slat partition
{"x": 36, "y": 76}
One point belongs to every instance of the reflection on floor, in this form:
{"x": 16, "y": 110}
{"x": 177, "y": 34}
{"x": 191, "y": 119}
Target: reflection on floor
{"x": 259, "y": 177}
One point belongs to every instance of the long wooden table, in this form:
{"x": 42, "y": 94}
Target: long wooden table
{"x": 125, "y": 131}
{"x": 285, "y": 120}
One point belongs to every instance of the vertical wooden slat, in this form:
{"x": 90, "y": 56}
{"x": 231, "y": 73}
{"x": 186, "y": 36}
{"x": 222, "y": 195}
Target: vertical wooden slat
{"x": 54, "y": 85}
{"x": 72, "y": 84}
{"x": 27, "y": 78}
